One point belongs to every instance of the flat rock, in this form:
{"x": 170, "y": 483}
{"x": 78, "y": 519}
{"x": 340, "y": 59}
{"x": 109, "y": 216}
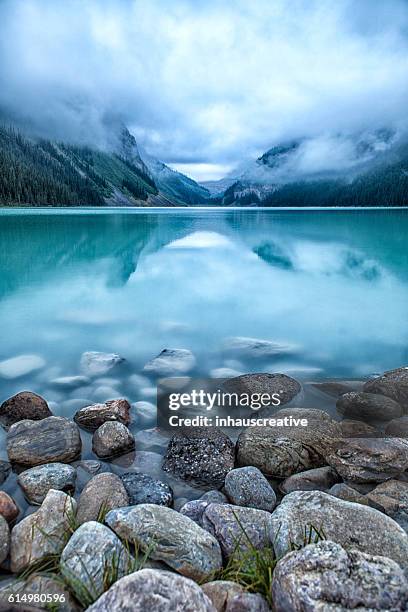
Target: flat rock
{"x": 391, "y": 497}
{"x": 233, "y": 526}
{"x": 172, "y": 538}
{"x": 171, "y": 362}
{"x": 319, "y": 479}
{"x": 37, "y": 481}
{"x": 367, "y": 460}
{"x": 23, "y": 405}
{"x": 4, "y": 539}
{"x": 154, "y": 591}
{"x": 393, "y": 384}
{"x": 324, "y": 576}
{"x": 248, "y": 487}
{"x": 70, "y": 382}
{"x": 42, "y": 533}
{"x": 286, "y": 387}
{"x": 143, "y": 489}
{"x": 54, "y": 439}
{"x": 202, "y": 454}
{"x": 8, "y": 507}
{"x": 94, "y": 363}
{"x": 112, "y": 438}
{"x": 398, "y": 427}
{"x": 5, "y": 468}
{"x": 37, "y": 584}
{"x": 20, "y": 366}
{"x": 254, "y": 348}
{"x": 357, "y": 429}
{"x": 90, "y": 554}
{"x": 368, "y": 406}
{"x": 350, "y": 525}
{"x": 104, "y": 492}
{"x": 347, "y": 493}
{"x": 92, "y": 417}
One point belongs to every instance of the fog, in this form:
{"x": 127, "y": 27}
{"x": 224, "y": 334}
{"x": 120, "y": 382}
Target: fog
{"x": 206, "y": 85}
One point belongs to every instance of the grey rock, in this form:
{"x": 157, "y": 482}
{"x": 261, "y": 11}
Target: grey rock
{"x": 112, "y": 438}
{"x": 94, "y": 363}
{"x": 171, "y": 362}
{"x": 23, "y": 405}
{"x": 54, "y": 439}
{"x": 221, "y": 592}
{"x": 368, "y": 406}
{"x": 346, "y": 493}
{"x": 398, "y": 427}
{"x": 202, "y": 454}
{"x": 285, "y": 386}
{"x": 248, "y": 602}
{"x": 147, "y": 462}
{"x": 393, "y": 384}
{"x": 319, "y": 479}
{"x": 20, "y": 366}
{"x": 336, "y": 388}
{"x": 350, "y": 525}
{"x": 92, "y": 551}
{"x": 215, "y": 497}
{"x": 4, "y": 539}
{"x": 391, "y": 497}
{"x": 357, "y": 429}
{"x": 92, "y": 417}
{"x": 247, "y": 486}
{"x": 37, "y": 584}
{"x": 143, "y": 489}
{"x": 90, "y": 466}
{"x": 324, "y": 576}
{"x": 8, "y": 507}
{"x": 195, "y": 508}
{"x": 37, "y": 481}
{"x": 234, "y": 525}
{"x": 368, "y": 459}
{"x": 42, "y": 533}
{"x": 154, "y": 591}
{"x": 104, "y": 492}
{"x": 5, "y": 468}
{"x": 173, "y": 538}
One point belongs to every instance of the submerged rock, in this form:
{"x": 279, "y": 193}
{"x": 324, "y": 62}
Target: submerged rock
{"x": 248, "y": 487}
{"x": 143, "y": 489}
{"x": 94, "y": 363}
{"x": 92, "y": 417}
{"x": 37, "y": 481}
{"x": 112, "y": 438}
{"x": 104, "y": 492}
{"x": 171, "y": 362}
{"x": 391, "y": 497}
{"x": 8, "y": 507}
{"x": 20, "y": 366}
{"x": 369, "y": 406}
{"x": 70, "y": 382}
{"x": 254, "y": 348}
{"x": 145, "y": 412}
{"x": 23, "y": 405}
{"x": 319, "y": 479}
{"x": 286, "y": 387}
{"x": 393, "y": 384}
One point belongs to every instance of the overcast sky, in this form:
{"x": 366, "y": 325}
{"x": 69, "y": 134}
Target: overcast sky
{"x": 204, "y": 85}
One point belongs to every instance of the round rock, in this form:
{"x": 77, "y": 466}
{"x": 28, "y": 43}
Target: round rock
{"x": 104, "y": 492}
{"x": 23, "y": 405}
{"x": 8, "y": 507}
{"x": 92, "y": 417}
{"x": 368, "y": 406}
{"x": 393, "y": 384}
{"x": 247, "y": 486}
{"x": 319, "y": 479}
{"x": 143, "y": 489}
{"x": 111, "y": 439}
{"x": 37, "y": 481}
{"x": 286, "y": 387}
{"x": 94, "y": 363}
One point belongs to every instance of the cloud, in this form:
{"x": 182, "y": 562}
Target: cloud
{"x": 205, "y": 82}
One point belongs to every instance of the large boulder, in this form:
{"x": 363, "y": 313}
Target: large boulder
{"x": 368, "y": 406}
{"x": 391, "y": 497}
{"x": 393, "y": 384}
{"x": 37, "y": 481}
{"x": 143, "y": 489}
{"x": 111, "y": 439}
{"x": 319, "y": 479}
{"x": 202, "y": 454}
{"x": 398, "y": 427}
{"x": 284, "y": 386}
{"x": 153, "y": 590}
{"x": 104, "y": 492}
{"x": 94, "y": 363}
{"x": 350, "y": 525}
{"x": 4, "y": 539}
{"x": 23, "y": 405}
{"x": 54, "y": 439}
{"x": 171, "y": 362}
{"x": 247, "y": 486}
{"x": 324, "y": 576}
{"x": 170, "y": 537}
{"x": 92, "y": 417}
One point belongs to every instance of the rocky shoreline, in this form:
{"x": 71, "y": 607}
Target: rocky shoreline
{"x": 275, "y": 518}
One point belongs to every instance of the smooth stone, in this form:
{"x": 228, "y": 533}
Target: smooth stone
{"x": 94, "y": 363}
{"x": 368, "y": 460}
{"x": 286, "y": 387}
{"x": 335, "y": 388}
{"x": 254, "y": 348}
{"x": 20, "y": 366}
{"x": 104, "y": 492}
{"x": 357, "y": 429}
{"x": 233, "y": 526}
{"x": 368, "y": 406}
{"x": 171, "y": 362}
{"x": 319, "y": 479}
{"x": 5, "y": 468}
{"x": 350, "y": 525}
{"x": 42, "y": 533}
{"x": 104, "y": 393}
{"x": 324, "y": 576}
{"x": 221, "y": 592}
{"x": 151, "y": 590}
{"x": 54, "y": 439}
{"x": 89, "y": 465}
{"x": 37, "y": 584}
{"x": 70, "y": 382}
{"x": 37, "y": 481}
{"x": 397, "y": 427}
{"x": 152, "y": 439}
{"x": 172, "y": 538}
{"x": 346, "y": 493}
{"x": 143, "y": 489}
{"x": 248, "y": 487}
{"x": 8, "y": 507}
{"x": 393, "y": 384}
{"x": 92, "y": 417}
{"x": 202, "y": 454}
{"x": 195, "y": 508}
{"x": 391, "y": 497}
{"x": 23, "y": 405}
{"x": 88, "y": 555}
{"x": 284, "y": 450}
{"x": 4, "y": 539}
{"x": 112, "y": 438}
{"x": 248, "y": 602}
{"x": 144, "y": 412}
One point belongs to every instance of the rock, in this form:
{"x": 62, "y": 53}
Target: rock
{"x": 350, "y": 525}
{"x": 285, "y": 450}
{"x": 171, "y": 362}
{"x": 221, "y": 592}
{"x": 319, "y": 479}
{"x": 335, "y": 388}
{"x": 20, "y": 366}
{"x": 393, "y": 384}
{"x": 90, "y": 466}
{"x": 42, "y": 533}
{"x": 103, "y": 393}
{"x": 37, "y": 584}
{"x": 397, "y": 427}
{"x": 37, "y": 481}
{"x": 391, "y": 497}
{"x": 368, "y": 459}
{"x": 346, "y": 493}
{"x": 54, "y": 439}
{"x": 147, "y": 462}
{"x": 195, "y": 508}
{"x": 324, "y": 576}
{"x": 4, "y": 539}
{"x": 153, "y": 590}
{"x": 104, "y": 492}
{"x": 5, "y": 468}
{"x": 286, "y": 387}
{"x": 172, "y": 538}
{"x": 214, "y": 497}
{"x": 8, "y": 507}
{"x": 145, "y": 412}
{"x": 247, "y": 486}
{"x": 70, "y": 382}
{"x": 368, "y": 406}
{"x": 24, "y": 405}
{"x": 253, "y": 348}
{"x": 143, "y": 489}
{"x": 357, "y": 429}
{"x": 224, "y": 373}
{"x": 152, "y": 439}
{"x": 202, "y": 454}
{"x": 92, "y": 553}
{"x": 92, "y": 417}
{"x": 94, "y": 363}
{"x": 112, "y": 438}
{"x": 234, "y": 525}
